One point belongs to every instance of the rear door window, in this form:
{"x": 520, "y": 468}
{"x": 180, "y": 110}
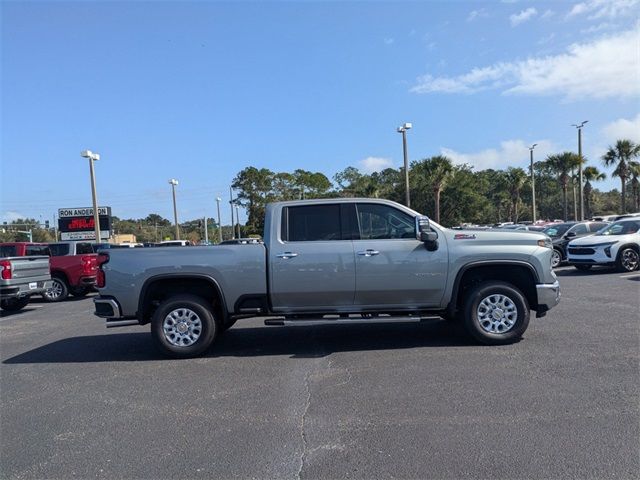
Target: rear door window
{"x": 8, "y": 251}
{"x": 59, "y": 249}
{"x": 311, "y": 223}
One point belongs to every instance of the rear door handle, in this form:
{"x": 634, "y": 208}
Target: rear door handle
{"x": 369, "y": 253}
{"x": 286, "y": 255}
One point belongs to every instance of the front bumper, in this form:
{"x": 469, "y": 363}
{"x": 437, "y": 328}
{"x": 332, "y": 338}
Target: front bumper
{"x": 548, "y": 296}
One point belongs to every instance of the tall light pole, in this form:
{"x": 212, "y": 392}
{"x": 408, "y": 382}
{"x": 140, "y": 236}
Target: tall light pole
{"x": 96, "y": 218}
{"x": 579, "y": 127}
{"x": 233, "y": 223}
{"x": 173, "y": 182}
{"x": 403, "y": 130}
{"x": 533, "y": 185}
{"x": 218, "y": 200}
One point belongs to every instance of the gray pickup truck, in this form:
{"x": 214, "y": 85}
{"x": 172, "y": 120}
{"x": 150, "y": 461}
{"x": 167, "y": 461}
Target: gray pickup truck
{"x": 21, "y": 277}
{"x": 337, "y": 260}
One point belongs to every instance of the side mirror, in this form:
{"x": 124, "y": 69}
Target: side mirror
{"x": 425, "y": 234}
{"x": 570, "y": 234}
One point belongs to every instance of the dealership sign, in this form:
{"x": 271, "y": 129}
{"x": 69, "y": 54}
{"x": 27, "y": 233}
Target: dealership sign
{"x": 79, "y": 224}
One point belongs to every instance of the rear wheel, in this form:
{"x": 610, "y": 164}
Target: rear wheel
{"x": 14, "y": 304}
{"x": 58, "y": 291}
{"x": 628, "y": 259}
{"x": 496, "y": 313}
{"x": 184, "y": 326}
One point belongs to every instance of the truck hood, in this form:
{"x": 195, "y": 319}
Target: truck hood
{"x": 495, "y": 237}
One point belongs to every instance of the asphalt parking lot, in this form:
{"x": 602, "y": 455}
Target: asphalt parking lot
{"x": 361, "y": 401}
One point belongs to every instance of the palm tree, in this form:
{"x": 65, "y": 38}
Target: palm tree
{"x": 590, "y": 174}
{"x": 439, "y": 170}
{"x": 516, "y": 179}
{"x": 634, "y": 170}
{"x": 619, "y": 156}
{"x": 562, "y": 164}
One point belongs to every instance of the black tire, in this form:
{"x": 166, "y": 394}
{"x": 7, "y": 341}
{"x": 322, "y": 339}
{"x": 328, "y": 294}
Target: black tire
{"x": 196, "y": 337}
{"x": 628, "y": 259}
{"x": 556, "y": 258}
{"x": 583, "y": 268}
{"x": 507, "y": 301}
{"x": 14, "y": 304}
{"x": 79, "y": 291}
{"x": 58, "y": 292}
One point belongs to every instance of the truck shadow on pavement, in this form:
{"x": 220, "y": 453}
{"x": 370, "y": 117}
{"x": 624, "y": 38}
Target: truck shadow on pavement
{"x": 294, "y": 341}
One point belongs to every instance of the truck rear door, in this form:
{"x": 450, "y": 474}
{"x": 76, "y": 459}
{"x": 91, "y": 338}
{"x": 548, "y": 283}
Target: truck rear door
{"x": 312, "y": 262}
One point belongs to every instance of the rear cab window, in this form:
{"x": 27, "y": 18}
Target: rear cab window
{"x": 36, "y": 250}
{"x": 59, "y": 249}
{"x": 8, "y": 251}
{"x": 83, "y": 248}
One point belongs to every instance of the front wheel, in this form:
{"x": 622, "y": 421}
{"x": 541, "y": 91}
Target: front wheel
{"x": 628, "y": 259}
{"x": 14, "y": 304}
{"x": 556, "y": 258}
{"x": 496, "y": 313}
{"x": 183, "y": 326}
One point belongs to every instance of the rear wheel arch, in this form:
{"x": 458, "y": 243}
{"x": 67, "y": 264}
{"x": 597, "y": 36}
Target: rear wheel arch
{"x": 161, "y": 287}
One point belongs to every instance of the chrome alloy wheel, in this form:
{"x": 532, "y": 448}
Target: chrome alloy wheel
{"x": 182, "y": 327}
{"x": 497, "y": 313}
{"x": 556, "y": 258}
{"x": 55, "y": 291}
{"x": 630, "y": 260}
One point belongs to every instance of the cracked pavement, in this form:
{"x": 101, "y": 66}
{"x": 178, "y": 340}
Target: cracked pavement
{"x": 359, "y": 401}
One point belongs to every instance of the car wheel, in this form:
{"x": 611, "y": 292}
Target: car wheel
{"x": 58, "y": 291}
{"x": 14, "y": 304}
{"x": 184, "y": 326}
{"x": 496, "y": 313}
{"x": 628, "y": 259}
{"x": 79, "y": 291}
{"x": 583, "y": 268}
{"x": 556, "y": 258}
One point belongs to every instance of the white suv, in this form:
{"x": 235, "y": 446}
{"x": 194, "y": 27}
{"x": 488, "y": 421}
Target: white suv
{"x": 617, "y": 245}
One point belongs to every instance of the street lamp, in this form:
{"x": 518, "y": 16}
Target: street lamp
{"x": 218, "y": 200}
{"x": 533, "y": 185}
{"x": 96, "y": 219}
{"x": 579, "y": 127}
{"x": 173, "y": 182}
{"x": 233, "y": 223}
{"x": 403, "y": 130}
{"x": 238, "y": 219}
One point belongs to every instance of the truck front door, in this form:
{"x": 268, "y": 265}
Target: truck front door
{"x": 312, "y": 264}
{"x": 393, "y": 268}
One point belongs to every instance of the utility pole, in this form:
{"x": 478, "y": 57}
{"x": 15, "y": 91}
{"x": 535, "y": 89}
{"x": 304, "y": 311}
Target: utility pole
{"x": 533, "y": 186}
{"x": 403, "y": 130}
{"x": 173, "y": 182}
{"x": 579, "y": 127}
{"x": 206, "y": 233}
{"x": 96, "y": 219}
{"x": 238, "y": 219}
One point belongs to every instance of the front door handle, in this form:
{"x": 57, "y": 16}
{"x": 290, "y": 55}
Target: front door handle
{"x": 286, "y": 255}
{"x": 369, "y": 253}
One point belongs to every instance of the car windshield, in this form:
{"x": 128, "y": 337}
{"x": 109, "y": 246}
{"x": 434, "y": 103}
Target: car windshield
{"x": 557, "y": 230}
{"x": 621, "y": 228}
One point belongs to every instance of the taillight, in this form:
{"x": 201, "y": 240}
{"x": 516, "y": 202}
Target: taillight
{"x": 89, "y": 265}
{"x": 101, "y": 260}
{"x": 5, "y": 268}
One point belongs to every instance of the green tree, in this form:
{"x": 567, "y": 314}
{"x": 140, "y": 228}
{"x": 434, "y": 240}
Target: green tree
{"x": 634, "y": 171}
{"x": 435, "y": 172}
{"x": 590, "y": 174}
{"x": 619, "y": 156}
{"x": 516, "y": 179}
{"x": 253, "y": 186}
{"x": 562, "y": 164}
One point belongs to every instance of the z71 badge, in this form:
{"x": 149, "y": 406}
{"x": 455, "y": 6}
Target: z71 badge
{"x": 464, "y": 236}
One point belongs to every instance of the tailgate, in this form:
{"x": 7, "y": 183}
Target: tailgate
{"x": 24, "y": 268}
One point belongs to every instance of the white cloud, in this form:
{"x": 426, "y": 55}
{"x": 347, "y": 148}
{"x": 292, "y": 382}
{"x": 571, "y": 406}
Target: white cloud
{"x": 375, "y": 164}
{"x": 547, "y": 14}
{"x": 523, "y": 16}
{"x": 476, "y": 14}
{"x": 10, "y": 216}
{"x": 599, "y": 28}
{"x": 605, "y": 8}
{"x": 606, "y": 67}
{"x": 512, "y": 153}
{"x": 389, "y": 41}
{"x": 623, "y": 128}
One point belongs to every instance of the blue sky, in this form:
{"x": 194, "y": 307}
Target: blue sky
{"x": 199, "y": 90}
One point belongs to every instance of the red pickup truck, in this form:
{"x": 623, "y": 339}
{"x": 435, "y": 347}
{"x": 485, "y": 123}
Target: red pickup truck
{"x": 73, "y": 266}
